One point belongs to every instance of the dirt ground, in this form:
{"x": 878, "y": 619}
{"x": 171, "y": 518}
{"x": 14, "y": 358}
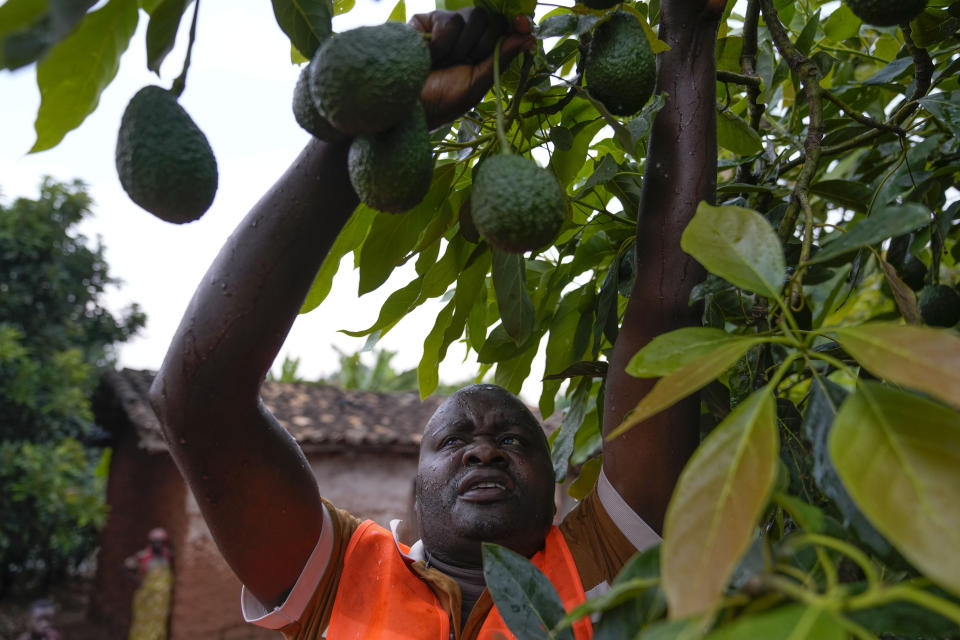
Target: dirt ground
{"x": 72, "y": 598}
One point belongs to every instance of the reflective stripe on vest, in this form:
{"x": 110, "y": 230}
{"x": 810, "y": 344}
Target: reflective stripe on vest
{"x": 381, "y": 597}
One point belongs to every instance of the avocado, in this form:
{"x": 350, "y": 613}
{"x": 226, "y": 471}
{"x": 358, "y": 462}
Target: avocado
{"x": 516, "y": 206}
{"x": 619, "y": 66}
{"x": 164, "y": 161}
{"x": 306, "y": 114}
{"x": 392, "y": 170}
{"x": 368, "y": 79}
{"x": 886, "y": 13}
{"x": 913, "y": 272}
{"x": 939, "y": 305}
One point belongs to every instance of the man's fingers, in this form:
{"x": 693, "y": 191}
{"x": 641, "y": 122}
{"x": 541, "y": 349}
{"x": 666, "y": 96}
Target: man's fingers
{"x": 477, "y": 24}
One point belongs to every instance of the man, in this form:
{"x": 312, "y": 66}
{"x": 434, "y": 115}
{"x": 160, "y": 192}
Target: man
{"x": 484, "y": 471}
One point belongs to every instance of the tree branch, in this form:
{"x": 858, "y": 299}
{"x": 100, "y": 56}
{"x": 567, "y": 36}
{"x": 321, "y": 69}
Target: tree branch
{"x": 810, "y": 78}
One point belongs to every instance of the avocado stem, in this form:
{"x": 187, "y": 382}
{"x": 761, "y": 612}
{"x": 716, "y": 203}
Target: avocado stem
{"x": 181, "y": 82}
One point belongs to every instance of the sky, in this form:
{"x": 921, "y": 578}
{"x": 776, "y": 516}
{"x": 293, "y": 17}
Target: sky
{"x": 239, "y": 91}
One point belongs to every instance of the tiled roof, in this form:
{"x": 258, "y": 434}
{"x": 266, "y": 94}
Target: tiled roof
{"x": 319, "y": 417}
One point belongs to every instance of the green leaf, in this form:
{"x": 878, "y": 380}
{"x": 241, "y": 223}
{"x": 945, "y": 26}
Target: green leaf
{"x": 350, "y": 237}
{"x": 399, "y": 13}
{"x": 738, "y": 245}
{"x": 511, "y": 373}
{"x": 842, "y": 24}
{"x": 16, "y": 15}
{"x": 454, "y": 5}
{"x": 77, "y": 70}
{"x": 623, "y": 620}
{"x": 586, "y": 479}
{"x": 470, "y": 287}
{"x": 684, "y": 381}
{"x": 525, "y": 598}
{"x": 790, "y": 622}
{"x": 886, "y": 223}
{"x": 29, "y": 28}
{"x": 566, "y": 164}
{"x": 826, "y": 398}
{"x": 945, "y": 109}
{"x": 510, "y": 286}
{"x": 392, "y": 236}
{"x": 562, "y": 349}
{"x": 427, "y": 370}
{"x": 917, "y": 357}
{"x": 397, "y": 305}
{"x": 672, "y": 351}
{"x": 735, "y": 134}
{"x": 912, "y": 446}
{"x": 306, "y": 22}
{"x": 343, "y": 6}
{"x": 847, "y": 193}
{"x": 563, "y": 443}
{"x": 162, "y": 31}
{"x": 720, "y": 495}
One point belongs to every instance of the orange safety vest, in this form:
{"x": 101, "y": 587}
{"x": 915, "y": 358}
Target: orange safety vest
{"x": 381, "y": 597}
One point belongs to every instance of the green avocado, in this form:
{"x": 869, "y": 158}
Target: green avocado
{"x": 939, "y": 305}
{"x": 516, "y": 206}
{"x": 913, "y": 272}
{"x": 164, "y": 161}
{"x": 368, "y": 79}
{"x": 886, "y": 13}
{"x": 392, "y": 170}
{"x": 306, "y": 114}
{"x": 619, "y": 66}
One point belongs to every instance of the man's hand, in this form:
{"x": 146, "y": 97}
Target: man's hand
{"x": 461, "y": 51}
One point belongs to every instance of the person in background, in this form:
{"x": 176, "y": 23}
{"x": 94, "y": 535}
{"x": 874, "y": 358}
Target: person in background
{"x": 153, "y": 568}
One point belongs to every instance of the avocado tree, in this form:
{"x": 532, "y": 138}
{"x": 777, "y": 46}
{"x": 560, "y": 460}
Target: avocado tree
{"x": 818, "y": 251}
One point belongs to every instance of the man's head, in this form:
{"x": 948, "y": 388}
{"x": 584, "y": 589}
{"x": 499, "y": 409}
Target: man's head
{"x": 485, "y": 475}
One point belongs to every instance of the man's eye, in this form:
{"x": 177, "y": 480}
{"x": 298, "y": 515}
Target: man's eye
{"x": 450, "y": 441}
{"x": 511, "y": 440}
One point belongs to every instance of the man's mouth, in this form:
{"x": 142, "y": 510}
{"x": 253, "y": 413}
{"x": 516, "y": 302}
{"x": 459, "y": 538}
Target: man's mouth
{"x": 484, "y": 490}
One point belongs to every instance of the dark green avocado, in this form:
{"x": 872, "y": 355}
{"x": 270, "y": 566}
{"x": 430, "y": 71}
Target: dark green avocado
{"x": 392, "y": 170}
{"x": 368, "y": 79}
{"x": 164, "y": 161}
{"x": 619, "y": 66}
{"x": 516, "y": 206}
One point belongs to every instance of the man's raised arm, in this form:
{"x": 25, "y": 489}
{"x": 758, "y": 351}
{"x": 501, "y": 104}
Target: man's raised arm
{"x": 253, "y": 485}
{"x": 644, "y": 463}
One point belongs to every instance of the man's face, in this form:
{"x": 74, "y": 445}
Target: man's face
{"x": 484, "y": 476}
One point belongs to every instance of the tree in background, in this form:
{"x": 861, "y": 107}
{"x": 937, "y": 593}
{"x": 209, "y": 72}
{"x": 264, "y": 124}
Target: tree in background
{"x": 55, "y": 336}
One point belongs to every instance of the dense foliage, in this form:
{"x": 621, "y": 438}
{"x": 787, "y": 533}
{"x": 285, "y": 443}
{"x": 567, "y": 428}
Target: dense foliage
{"x": 822, "y": 501}
{"x": 54, "y": 337}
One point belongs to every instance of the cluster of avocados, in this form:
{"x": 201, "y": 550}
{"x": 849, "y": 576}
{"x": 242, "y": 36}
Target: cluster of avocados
{"x": 365, "y": 83}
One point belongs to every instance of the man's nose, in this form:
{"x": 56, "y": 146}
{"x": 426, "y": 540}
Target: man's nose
{"x": 483, "y": 452}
